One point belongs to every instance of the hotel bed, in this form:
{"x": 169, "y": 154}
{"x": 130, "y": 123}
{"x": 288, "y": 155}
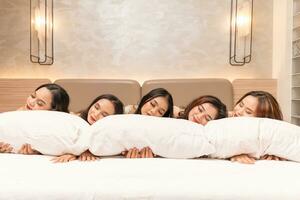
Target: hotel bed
{"x": 36, "y": 177}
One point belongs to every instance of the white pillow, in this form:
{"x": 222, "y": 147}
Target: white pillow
{"x": 254, "y": 136}
{"x": 49, "y": 132}
{"x": 171, "y": 138}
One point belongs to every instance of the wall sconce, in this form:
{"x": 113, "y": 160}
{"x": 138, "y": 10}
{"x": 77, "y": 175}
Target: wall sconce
{"x": 41, "y": 32}
{"x": 241, "y": 20}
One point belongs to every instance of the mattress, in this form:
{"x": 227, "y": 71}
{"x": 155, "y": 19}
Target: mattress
{"x": 36, "y": 177}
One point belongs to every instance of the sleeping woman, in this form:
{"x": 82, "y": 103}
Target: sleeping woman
{"x": 256, "y": 104}
{"x": 102, "y": 106}
{"x": 48, "y": 96}
{"x": 204, "y": 109}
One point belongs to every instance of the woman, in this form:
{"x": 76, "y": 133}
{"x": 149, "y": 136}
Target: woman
{"x": 159, "y": 103}
{"x": 100, "y": 107}
{"x": 256, "y": 104}
{"x": 48, "y": 96}
{"x": 204, "y": 109}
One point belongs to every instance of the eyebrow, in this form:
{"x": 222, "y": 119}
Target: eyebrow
{"x": 205, "y": 110}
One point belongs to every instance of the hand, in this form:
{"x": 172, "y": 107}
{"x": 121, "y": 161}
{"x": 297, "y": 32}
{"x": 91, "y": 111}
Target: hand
{"x": 146, "y": 152}
{"x": 132, "y": 153}
{"x": 26, "y": 149}
{"x": 87, "y": 156}
{"x": 64, "y": 158}
{"x": 5, "y": 148}
{"x": 272, "y": 157}
{"x": 243, "y": 158}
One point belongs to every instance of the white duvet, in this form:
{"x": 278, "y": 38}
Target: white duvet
{"x": 35, "y": 177}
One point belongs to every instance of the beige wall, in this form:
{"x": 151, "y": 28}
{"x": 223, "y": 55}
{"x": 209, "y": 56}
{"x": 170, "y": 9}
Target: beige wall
{"x": 282, "y": 53}
{"x": 137, "y": 39}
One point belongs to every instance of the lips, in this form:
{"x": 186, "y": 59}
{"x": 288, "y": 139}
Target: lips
{"x": 93, "y": 119}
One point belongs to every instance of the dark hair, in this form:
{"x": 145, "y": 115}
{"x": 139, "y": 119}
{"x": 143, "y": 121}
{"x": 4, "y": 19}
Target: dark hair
{"x": 158, "y": 92}
{"x": 60, "y": 97}
{"x": 267, "y": 107}
{"x": 217, "y": 103}
{"x": 118, "y": 105}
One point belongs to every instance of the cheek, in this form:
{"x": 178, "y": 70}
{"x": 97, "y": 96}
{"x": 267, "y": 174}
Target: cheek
{"x": 90, "y": 112}
{"x": 192, "y": 112}
{"x": 144, "y": 109}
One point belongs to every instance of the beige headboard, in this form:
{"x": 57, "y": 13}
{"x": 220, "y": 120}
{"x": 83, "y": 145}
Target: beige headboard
{"x": 185, "y": 90}
{"x": 14, "y": 92}
{"x": 83, "y": 91}
{"x": 242, "y": 86}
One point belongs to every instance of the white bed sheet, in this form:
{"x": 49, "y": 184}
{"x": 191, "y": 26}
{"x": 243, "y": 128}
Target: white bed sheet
{"x": 35, "y": 177}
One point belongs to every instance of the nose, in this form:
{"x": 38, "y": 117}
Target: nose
{"x": 154, "y": 111}
{"x": 201, "y": 116}
{"x": 97, "y": 114}
{"x": 239, "y": 112}
{"x": 31, "y": 102}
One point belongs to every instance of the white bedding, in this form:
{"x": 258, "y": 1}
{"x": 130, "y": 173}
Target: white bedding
{"x": 35, "y": 177}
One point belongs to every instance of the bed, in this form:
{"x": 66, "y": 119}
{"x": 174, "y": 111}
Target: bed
{"x": 36, "y": 177}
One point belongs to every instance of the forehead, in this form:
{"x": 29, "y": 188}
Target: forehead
{"x": 250, "y": 101}
{"x": 209, "y": 107}
{"x": 43, "y": 92}
{"x": 160, "y": 100}
{"x": 105, "y": 103}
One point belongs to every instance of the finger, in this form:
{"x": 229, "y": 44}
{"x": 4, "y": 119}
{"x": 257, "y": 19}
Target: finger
{"x": 134, "y": 153}
{"x": 55, "y": 160}
{"x": 83, "y": 158}
{"x": 137, "y": 153}
{"x": 147, "y": 152}
{"x": 88, "y": 158}
{"x": 251, "y": 160}
{"x": 150, "y": 153}
{"x": 143, "y": 153}
{"x": 72, "y": 158}
{"x": 269, "y": 158}
{"x": 21, "y": 150}
{"x": 26, "y": 149}
{"x": 93, "y": 158}
{"x": 247, "y": 160}
{"x": 9, "y": 150}
{"x": 129, "y": 153}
